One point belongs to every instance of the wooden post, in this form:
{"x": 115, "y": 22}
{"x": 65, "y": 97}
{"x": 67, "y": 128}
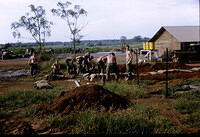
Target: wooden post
{"x": 137, "y": 66}
{"x": 166, "y": 94}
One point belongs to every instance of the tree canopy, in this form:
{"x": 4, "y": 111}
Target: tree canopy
{"x": 71, "y": 14}
{"x": 35, "y": 23}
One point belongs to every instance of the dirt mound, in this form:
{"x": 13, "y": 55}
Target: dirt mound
{"x": 85, "y": 97}
{"x": 15, "y": 127}
{"x": 147, "y": 67}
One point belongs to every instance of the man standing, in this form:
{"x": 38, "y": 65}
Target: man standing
{"x": 129, "y": 58}
{"x": 33, "y": 62}
{"x": 111, "y": 65}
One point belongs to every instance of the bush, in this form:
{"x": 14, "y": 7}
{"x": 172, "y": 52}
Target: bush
{"x": 45, "y": 57}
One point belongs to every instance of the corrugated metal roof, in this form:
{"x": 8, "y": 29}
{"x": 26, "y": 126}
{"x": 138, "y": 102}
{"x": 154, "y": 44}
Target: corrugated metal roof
{"x": 181, "y": 33}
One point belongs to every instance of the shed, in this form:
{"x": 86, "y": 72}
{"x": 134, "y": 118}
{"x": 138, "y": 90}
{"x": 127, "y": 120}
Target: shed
{"x": 175, "y": 38}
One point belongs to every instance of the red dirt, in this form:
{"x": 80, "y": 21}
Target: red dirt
{"x": 85, "y": 97}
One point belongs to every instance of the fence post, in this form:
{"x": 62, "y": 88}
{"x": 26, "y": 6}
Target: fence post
{"x": 137, "y": 66}
{"x": 166, "y": 94}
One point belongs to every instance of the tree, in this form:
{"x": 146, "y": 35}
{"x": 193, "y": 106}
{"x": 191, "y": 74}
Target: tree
{"x": 35, "y": 23}
{"x": 123, "y": 41}
{"x": 71, "y": 15}
{"x": 137, "y": 38}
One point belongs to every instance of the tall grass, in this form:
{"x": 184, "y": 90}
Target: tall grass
{"x": 136, "y": 120}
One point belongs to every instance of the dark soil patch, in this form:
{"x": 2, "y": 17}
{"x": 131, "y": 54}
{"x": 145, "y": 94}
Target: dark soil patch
{"x": 15, "y": 127}
{"x": 85, "y": 97}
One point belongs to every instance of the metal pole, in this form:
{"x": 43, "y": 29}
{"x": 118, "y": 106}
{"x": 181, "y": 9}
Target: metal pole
{"x": 137, "y": 66}
{"x": 166, "y": 95}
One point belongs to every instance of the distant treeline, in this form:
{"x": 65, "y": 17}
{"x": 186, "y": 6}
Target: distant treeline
{"x": 88, "y": 43}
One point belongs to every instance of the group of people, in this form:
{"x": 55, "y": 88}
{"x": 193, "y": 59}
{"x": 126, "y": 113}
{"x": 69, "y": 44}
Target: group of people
{"x": 83, "y": 64}
{"x": 110, "y": 64}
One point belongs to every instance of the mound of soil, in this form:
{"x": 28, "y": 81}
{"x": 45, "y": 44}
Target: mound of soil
{"x": 147, "y": 67}
{"x": 85, "y": 97}
{"x": 16, "y": 127}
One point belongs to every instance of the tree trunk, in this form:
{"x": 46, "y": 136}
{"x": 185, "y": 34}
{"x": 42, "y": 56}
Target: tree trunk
{"x": 74, "y": 45}
{"x": 40, "y": 49}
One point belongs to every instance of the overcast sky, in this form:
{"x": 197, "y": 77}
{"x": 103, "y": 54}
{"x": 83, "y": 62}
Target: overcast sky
{"x": 106, "y": 19}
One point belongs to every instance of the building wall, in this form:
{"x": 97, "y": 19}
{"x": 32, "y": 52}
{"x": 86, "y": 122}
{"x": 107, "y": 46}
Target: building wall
{"x": 166, "y": 40}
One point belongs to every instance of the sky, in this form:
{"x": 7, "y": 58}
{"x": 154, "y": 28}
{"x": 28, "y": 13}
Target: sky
{"x": 106, "y": 19}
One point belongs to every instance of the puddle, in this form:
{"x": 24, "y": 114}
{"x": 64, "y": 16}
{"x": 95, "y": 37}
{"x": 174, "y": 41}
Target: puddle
{"x": 4, "y": 74}
{"x": 98, "y": 54}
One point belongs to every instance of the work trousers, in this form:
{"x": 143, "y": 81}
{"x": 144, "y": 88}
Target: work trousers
{"x": 129, "y": 68}
{"x": 101, "y": 67}
{"x": 34, "y": 70}
{"x": 112, "y": 67}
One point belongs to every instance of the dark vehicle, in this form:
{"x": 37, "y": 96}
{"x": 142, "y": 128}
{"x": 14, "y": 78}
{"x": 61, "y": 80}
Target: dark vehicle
{"x": 29, "y": 52}
{"x": 7, "y": 54}
{"x": 49, "y": 51}
{"x": 189, "y": 55}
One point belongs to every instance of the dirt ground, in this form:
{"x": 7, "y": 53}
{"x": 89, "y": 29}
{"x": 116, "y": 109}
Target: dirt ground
{"x": 26, "y": 82}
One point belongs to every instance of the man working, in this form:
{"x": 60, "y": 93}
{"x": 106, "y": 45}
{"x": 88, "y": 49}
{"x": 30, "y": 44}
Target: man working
{"x": 111, "y": 65}
{"x": 101, "y": 62}
{"x": 79, "y": 61}
{"x": 129, "y": 58}
{"x": 70, "y": 68}
{"x": 56, "y": 67}
{"x": 86, "y": 61}
{"x": 33, "y": 63}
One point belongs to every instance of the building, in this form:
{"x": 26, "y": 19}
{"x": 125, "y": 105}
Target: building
{"x": 175, "y": 38}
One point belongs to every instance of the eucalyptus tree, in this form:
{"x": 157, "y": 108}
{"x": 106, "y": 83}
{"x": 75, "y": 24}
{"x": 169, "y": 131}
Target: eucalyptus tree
{"x": 71, "y": 14}
{"x": 123, "y": 40}
{"x": 35, "y": 23}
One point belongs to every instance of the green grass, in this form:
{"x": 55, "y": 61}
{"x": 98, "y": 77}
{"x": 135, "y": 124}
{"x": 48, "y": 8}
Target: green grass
{"x": 188, "y": 104}
{"x": 22, "y": 98}
{"x": 126, "y": 89}
{"x": 30, "y": 111}
{"x": 140, "y": 119}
